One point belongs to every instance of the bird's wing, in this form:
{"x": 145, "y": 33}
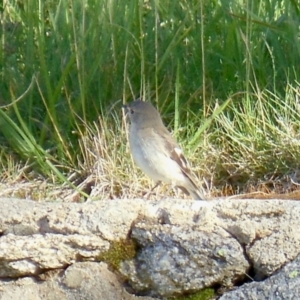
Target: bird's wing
{"x": 175, "y": 151}
{"x": 176, "y": 154}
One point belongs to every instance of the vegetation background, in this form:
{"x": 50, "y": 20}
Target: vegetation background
{"x": 223, "y": 73}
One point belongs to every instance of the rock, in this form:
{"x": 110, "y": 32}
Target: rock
{"x": 105, "y": 219}
{"x": 24, "y": 255}
{"x": 167, "y": 263}
{"x": 183, "y": 259}
{"x": 181, "y": 246}
{"x": 284, "y": 285}
{"x": 267, "y": 229}
{"x": 86, "y": 280}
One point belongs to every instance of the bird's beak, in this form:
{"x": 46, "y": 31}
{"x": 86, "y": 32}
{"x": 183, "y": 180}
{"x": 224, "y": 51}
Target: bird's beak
{"x": 125, "y": 108}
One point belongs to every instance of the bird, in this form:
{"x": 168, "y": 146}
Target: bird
{"x": 155, "y": 151}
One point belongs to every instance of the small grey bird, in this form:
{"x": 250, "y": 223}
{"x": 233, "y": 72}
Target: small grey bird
{"x": 155, "y": 151}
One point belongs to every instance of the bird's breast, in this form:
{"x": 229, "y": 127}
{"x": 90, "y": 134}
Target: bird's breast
{"x": 150, "y": 155}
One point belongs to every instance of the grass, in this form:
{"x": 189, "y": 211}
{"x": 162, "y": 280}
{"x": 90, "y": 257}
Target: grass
{"x": 224, "y": 75}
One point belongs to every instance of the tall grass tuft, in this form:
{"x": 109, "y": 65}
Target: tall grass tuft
{"x": 224, "y": 74}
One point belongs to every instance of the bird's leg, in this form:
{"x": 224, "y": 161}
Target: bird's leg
{"x": 170, "y": 189}
{"x": 147, "y": 195}
{"x": 173, "y": 187}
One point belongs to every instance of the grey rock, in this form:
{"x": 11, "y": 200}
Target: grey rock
{"x": 181, "y": 259}
{"x": 283, "y": 285}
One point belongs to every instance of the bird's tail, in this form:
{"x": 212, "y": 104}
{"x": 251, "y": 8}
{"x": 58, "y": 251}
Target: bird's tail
{"x": 196, "y": 194}
{"x": 193, "y": 191}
